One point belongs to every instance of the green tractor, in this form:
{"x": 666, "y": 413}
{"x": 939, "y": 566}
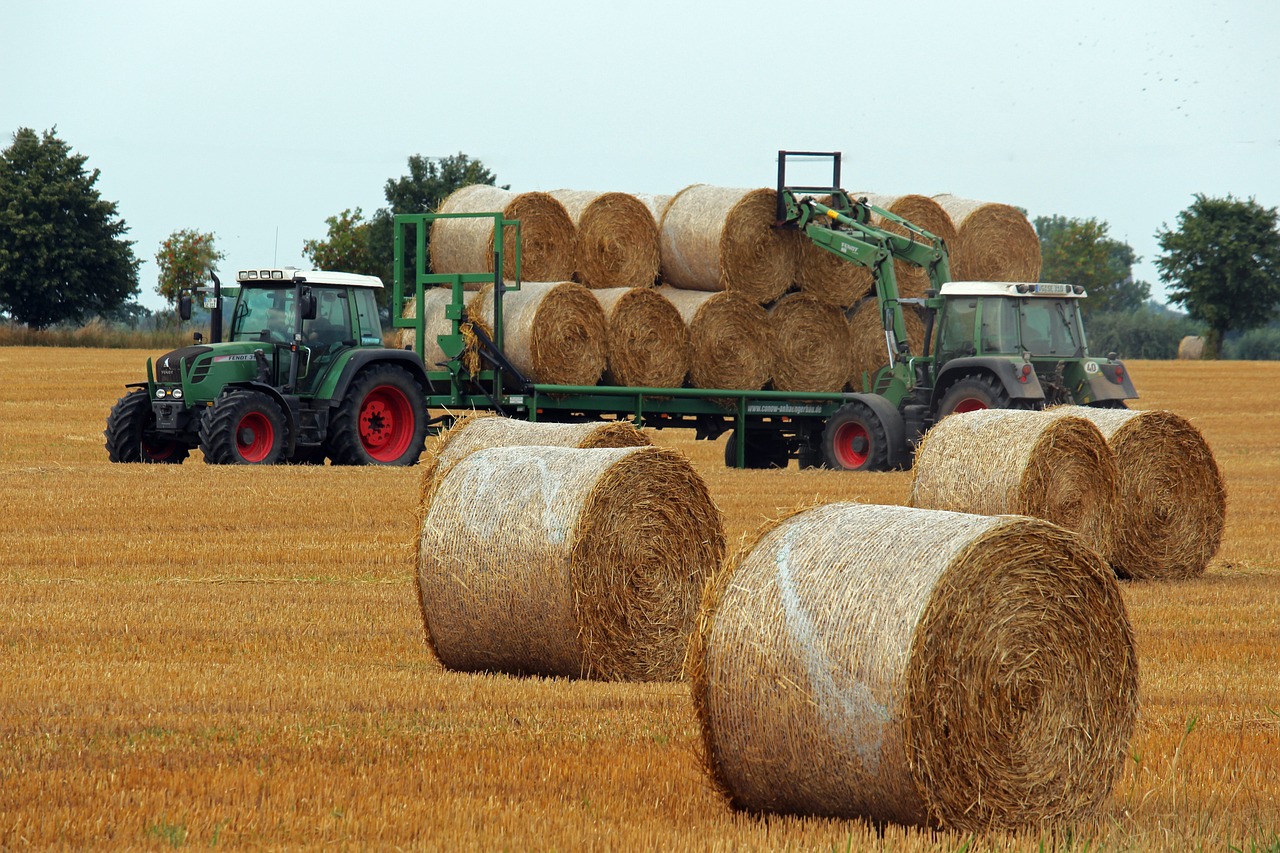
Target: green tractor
{"x": 303, "y": 375}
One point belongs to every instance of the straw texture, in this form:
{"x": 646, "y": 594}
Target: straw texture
{"x": 997, "y": 461}
{"x": 868, "y": 351}
{"x": 715, "y": 238}
{"x": 657, "y": 204}
{"x": 730, "y": 338}
{"x": 1191, "y": 347}
{"x": 435, "y": 300}
{"x": 617, "y": 238}
{"x": 562, "y": 561}
{"x": 811, "y": 340}
{"x": 828, "y": 276}
{"x": 922, "y": 212}
{"x": 1173, "y": 501}
{"x": 994, "y": 242}
{"x": 554, "y": 331}
{"x": 915, "y": 666}
{"x": 466, "y": 245}
{"x": 648, "y": 340}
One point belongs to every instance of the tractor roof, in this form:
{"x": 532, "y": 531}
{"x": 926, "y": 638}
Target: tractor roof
{"x": 292, "y": 274}
{"x": 1011, "y": 288}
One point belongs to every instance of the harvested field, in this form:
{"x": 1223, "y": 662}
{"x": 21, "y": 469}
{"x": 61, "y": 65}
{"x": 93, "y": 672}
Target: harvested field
{"x": 234, "y": 657}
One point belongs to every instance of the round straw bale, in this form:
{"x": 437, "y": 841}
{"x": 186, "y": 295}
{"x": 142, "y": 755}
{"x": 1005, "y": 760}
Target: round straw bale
{"x": 998, "y": 461}
{"x": 828, "y": 276}
{"x": 730, "y": 338}
{"x": 811, "y": 340}
{"x": 868, "y": 350}
{"x": 656, "y": 203}
{"x": 435, "y": 300}
{"x": 1173, "y": 502}
{"x": 715, "y": 238}
{"x": 994, "y": 242}
{"x": 648, "y": 341}
{"x": 562, "y": 561}
{"x": 466, "y": 245}
{"x": 1191, "y": 347}
{"x": 915, "y": 666}
{"x": 617, "y": 238}
{"x": 923, "y": 212}
{"x": 554, "y": 331}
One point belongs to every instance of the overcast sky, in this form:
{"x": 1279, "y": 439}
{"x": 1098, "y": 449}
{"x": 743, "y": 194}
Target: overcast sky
{"x": 257, "y": 120}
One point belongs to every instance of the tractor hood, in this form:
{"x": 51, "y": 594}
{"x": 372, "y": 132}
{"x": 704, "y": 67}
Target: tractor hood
{"x": 169, "y": 365}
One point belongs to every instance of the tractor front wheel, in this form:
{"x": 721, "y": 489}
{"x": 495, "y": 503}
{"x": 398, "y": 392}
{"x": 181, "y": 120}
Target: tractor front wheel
{"x": 131, "y": 435}
{"x": 243, "y": 428}
{"x": 381, "y": 421}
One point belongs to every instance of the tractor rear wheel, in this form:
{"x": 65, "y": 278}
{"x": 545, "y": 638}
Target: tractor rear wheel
{"x": 972, "y": 393}
{"x": 381, "y": 421}
{"x": 244, "y": 427}
{"x": 131, "y": 437}
{"x": 855, "y": 439}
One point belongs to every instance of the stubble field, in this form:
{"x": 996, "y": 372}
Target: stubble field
{"x": 200, "y": 656}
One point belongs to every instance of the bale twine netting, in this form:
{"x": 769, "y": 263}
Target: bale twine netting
{"x": 554, "y": 331}
{"x": 994, "y": 242}
{"x": 657, "y": 204}
{"x": 570, "y": 562}
{"x": 648, "y": 340}
{"x": 466, "y": 245}
{"x": 923, "y": 212}
{"x": 730, "y": 339}
{"x": 716, "y": 238}
{"x": 811, "y": 344}
{"x": 617, "y": 238}
{"x": 1172, "y": 499}
{"x": 998, "y": 461}
{"x": 915, "y": 666}
{"x": 868, "y": 349}
{"x": 829, "y": 276}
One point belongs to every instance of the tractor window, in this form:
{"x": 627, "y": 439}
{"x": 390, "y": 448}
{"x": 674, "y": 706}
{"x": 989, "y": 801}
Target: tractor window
{"x": 956, "y": 338}
{"x": 999, "y": 325}
{"x": 263, "y": 314}
{"x": 367, "y": 314}
{"x": 1051, "y": 327}
{"x": 333, "y": 319}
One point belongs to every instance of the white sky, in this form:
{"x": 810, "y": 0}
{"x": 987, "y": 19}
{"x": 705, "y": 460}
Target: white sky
{"x": 257, "y": 120}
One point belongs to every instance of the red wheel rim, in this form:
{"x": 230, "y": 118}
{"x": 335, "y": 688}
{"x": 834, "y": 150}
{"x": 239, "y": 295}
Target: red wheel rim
{"x": 386, "y": 423}
{"x": 971, "y": 404}
{"x": 852, "y": 445}
{"x": 255, "y": 436}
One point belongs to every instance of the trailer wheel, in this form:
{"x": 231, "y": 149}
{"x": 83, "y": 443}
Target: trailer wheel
{"x": 381, "y": 421}
{"x": 855, "y": 439}
{"x": 131, "y": 437}
{"x": 973, "y": 393}
{"x": 762, "y": 451}
{"x": 243, "y": 428}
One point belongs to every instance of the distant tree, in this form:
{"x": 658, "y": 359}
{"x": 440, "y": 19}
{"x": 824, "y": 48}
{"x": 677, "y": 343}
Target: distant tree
{"x": 185, "y": 259}
{"x": 346, "y": 247}
{"x": 63, "y": 253}
{"x": 1078, "y": 251}
{"x": 1223, "y": 262}
{"x": 1151, "y": 331}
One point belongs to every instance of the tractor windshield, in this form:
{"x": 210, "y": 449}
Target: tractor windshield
{"x": 1051, "y": 327}
{"x": 264, "y": 314}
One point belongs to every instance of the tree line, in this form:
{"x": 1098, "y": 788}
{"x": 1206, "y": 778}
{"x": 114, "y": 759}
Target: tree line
{"x": 65, "y": 256}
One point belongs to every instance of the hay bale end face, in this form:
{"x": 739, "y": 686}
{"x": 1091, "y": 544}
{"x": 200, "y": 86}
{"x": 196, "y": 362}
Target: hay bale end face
{"x": 466, "y": 245}
{"x": 1172, "y": 502}
{"x": 616, "y": 238}
{"x": 970, "y": 672}
{"x": 569, "y": 562}
{"x": 922, "y": 212}
{"x": 554, "y": 330}
{"x": 811, "y": 344}
{"x": 868, "y": 350}
{"x": 730, "y": 339}
{"x": 1008, "y": 461}
{"x": 648, "y": 340}
{"x": 994, "y": 242}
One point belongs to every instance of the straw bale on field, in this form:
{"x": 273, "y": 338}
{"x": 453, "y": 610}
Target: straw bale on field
{"x": 1172, "y": 502}
{"x": 922, "y": 212}
{"x": 915, "y": 666}
{"x": 867, "y": 346}
{"x": 811, "y": 344}
{"x": 730, "y": 339}
{"x": 997, "y": 461}
{"x": 715, "y": 238}
{"x": 466, "y": 245}
{"x": 617, "y": 238}
{"x": 648, "y": 340}
{"x": 1191, "y": 347}
{"x": 994, "y": 242}
{"x": 554, "y": 331}
{"x": 563, "y": 561}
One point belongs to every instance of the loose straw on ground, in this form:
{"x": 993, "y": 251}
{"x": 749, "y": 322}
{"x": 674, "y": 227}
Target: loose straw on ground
{"x": 918, "y": 667}
{"x": 466, "y": 245}
{"x": 731, "y": 342}
{"x": 994, "y": 242}
{"x": 648, "y": 340}
{"x": 811, "y": 344}
{"x": 554, "y": 331}
{"x": 569, "y": 562}
{"x": 617, "y": 238}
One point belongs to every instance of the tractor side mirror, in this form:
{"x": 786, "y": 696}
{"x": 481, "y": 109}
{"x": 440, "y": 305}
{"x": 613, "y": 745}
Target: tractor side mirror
{"x": 308, "y": 304}
{"x": 184, "y": 306}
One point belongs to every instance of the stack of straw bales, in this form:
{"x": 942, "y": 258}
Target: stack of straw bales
{"x": 970, "y": 672}
{"x": 566, "y": 561}
{"x": 648, "y": 340}
{"x": 616, "y": 243}
{"x": 466, "y": 245}
{"x": 1172, "y": 499}
{"x": 994, "y": 242}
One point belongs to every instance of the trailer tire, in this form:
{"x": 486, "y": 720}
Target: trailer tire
{"x": 130, "y": 433}
{"x": 855, "y": 439}
{"x": 244, "y": 427}
{"x": 761, "y": 452}
{"x": 381, "y": 421}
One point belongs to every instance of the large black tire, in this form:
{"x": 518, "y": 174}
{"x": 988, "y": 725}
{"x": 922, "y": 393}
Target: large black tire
{"x": 244, "y": 427}
{"x": 381, "y": 421}
{"x": 855, "y": 439}
{"x": 762, "y": 451}
{"x": 307, "y": 456}
{"x": 1109, "y": 404}
{"x": 981, "y": 391}
{"x": 131, "y": 437}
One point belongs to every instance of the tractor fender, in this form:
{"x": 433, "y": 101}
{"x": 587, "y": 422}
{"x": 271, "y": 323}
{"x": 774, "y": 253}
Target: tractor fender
{"x": 361, "y": 358}
{"x": 894, "y": 427}
{"x": 1103, "y": 384}
{"x": 290, "y": 411}
{"x": 1006, "y": 371}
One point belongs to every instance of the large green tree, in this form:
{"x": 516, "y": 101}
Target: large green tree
{"x": 185, "y": 259}
{"x": 1223, "y": 262}
{"x": 1078, "y": 251}
{"x": 63, "y": 252}
{"x": 345, "y": 247}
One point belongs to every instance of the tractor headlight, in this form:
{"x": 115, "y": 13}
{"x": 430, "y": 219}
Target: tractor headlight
{"x": 160, "y": 393}
{"x": 177, "y": 394}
